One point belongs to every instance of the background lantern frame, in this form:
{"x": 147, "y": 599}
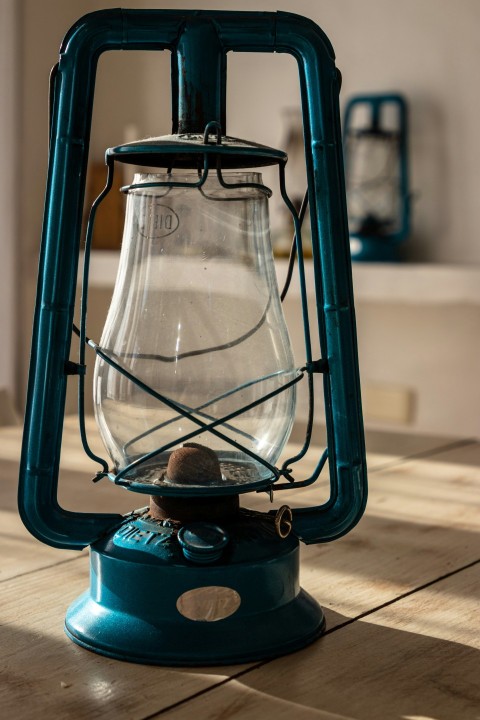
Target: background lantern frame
{"x": 385, "y": 122}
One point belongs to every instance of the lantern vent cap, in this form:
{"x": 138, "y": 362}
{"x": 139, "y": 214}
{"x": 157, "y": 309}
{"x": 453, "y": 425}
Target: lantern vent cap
{"x": 187, "y": 151}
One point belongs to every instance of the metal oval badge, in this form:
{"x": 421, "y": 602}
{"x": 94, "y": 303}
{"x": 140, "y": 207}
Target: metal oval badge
{"x": 208, "y": 604}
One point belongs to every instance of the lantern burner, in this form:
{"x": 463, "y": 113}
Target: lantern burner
{"x": 195, "y": 464}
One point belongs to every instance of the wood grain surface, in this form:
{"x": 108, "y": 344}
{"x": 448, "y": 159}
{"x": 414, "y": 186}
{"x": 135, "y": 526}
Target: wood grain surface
{"x": 401, "y": 594}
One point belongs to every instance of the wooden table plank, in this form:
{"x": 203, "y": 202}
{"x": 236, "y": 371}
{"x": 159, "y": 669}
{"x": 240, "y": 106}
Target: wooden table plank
{"x": 45, "y": 674}
{"x": 238, "y": 700}
{"x": 467, "y": 455}
{"x": 417, "y": 658}
{"x": 422, "y": 521}
{"x": 21, "y": 553}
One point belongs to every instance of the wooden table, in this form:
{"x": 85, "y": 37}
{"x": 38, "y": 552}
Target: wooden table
{"x": 401, "y": 595}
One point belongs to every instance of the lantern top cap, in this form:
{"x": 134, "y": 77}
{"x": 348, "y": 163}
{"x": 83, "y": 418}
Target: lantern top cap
{"x": 187, "y": 151}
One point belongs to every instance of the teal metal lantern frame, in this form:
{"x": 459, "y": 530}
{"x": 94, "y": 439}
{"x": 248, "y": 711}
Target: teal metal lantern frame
{"x": 142, "y": 569}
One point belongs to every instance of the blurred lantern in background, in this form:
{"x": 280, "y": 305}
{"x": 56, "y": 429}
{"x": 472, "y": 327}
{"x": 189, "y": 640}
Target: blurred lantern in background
{"x": 376, "y": 175}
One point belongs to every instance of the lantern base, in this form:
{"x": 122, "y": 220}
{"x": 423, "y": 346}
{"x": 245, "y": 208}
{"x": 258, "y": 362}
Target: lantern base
{"x": 147, "y": 603}
{"x": 367, "y": 249}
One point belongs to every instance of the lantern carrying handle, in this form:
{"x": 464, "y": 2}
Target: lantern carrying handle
{"x": 199, "y": 42}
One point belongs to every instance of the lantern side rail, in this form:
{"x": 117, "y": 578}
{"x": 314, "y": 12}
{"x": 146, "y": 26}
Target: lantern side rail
{"x": 333, "y": 281}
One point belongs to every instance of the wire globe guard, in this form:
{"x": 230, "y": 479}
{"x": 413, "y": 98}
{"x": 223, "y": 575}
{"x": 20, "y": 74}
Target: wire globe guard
{"x": 132, "y": 610}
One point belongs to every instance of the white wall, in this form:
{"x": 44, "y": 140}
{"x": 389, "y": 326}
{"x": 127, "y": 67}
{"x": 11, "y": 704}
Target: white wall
{"x": 9, "y": 76}
{"x": 427, "y": 49}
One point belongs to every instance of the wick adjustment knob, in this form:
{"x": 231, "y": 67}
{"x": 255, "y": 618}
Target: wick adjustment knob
{"x": 283, "y": 521}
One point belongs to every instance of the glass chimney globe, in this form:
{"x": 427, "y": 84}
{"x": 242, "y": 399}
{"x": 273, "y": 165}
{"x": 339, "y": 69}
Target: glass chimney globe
{"x": 196, "y": 316}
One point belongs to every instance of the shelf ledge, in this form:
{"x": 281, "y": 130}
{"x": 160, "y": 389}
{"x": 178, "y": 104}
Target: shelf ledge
{"x": 407, "y": 284}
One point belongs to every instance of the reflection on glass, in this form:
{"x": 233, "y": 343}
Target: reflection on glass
{"x": 196, "y": 316}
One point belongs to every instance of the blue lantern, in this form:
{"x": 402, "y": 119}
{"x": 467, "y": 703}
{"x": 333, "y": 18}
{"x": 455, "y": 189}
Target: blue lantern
{"x": 194, "y": 381}
{"x": 375, "y": 135}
